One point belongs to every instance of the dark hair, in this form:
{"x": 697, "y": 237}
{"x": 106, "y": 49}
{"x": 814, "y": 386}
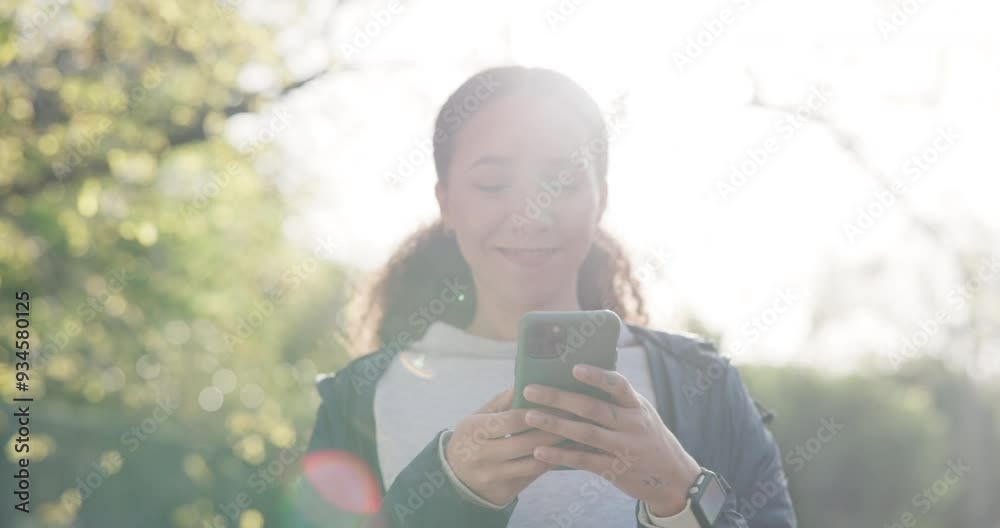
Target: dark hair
{"x": 407, "y": 294}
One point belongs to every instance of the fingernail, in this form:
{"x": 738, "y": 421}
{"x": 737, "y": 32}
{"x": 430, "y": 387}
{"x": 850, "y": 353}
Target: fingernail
{"x": 542, "y": 452}
{"x": 582, "y": 370}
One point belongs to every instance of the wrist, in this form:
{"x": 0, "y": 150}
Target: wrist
{"x": 676, "y": 498}
{"x": 667, "y": 508}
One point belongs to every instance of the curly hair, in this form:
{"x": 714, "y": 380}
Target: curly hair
{"x": 407, "y": 294}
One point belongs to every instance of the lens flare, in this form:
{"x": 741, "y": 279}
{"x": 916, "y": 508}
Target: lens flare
{"x": 342, "y": 479}
{"x": 416, "y": 364}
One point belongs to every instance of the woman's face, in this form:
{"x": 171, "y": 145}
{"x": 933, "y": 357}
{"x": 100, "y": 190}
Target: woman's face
{"x": 523, "y": 198}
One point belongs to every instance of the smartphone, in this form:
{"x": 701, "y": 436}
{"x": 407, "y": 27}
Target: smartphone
{"x": 550, "y": 344}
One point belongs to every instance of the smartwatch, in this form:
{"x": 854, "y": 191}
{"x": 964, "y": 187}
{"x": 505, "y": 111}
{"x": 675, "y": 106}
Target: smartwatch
{"x": 707, "y": 498}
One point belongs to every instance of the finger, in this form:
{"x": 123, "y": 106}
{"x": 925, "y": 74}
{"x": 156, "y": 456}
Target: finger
{"x": 574, "y": 458}
{"x": 521, "y": 468}
{"x": 499, "y": 403}
{"x": 582, "y": 432}
{"x": 614, "y": 383}
{"x": 520, "y": 445}
{"x": 497, "y": 425}
{"x": 605, "y": 414}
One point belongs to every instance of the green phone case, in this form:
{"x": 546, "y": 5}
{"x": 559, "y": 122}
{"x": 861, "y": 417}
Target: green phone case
{"x": 591, "y": 337}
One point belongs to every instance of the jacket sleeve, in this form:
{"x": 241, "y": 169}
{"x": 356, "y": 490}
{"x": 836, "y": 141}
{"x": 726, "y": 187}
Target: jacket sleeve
{"x": 420, "y": 497}
{"x": 314, "y": 505}
{"x": 755, "y": 482}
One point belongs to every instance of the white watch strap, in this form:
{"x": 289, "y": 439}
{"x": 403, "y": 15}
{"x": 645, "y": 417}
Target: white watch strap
{"x": 682, "y": 519}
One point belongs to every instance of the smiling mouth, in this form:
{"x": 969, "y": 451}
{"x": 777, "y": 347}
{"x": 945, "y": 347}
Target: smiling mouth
{"x": 531, "y": 252}
{"x": 528, "y": 257}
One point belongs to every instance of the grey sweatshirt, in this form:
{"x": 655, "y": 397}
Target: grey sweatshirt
{"x": 449, "y": 374}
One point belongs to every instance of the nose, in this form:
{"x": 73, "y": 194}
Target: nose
{"x": 534, "y": 214}
{"x": 527, "y": 224}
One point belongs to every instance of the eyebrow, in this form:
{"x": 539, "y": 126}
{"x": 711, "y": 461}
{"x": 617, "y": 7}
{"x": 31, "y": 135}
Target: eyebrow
{"x": 559, "y": 162}
{"x": 491, "y": 161}
{"x": 501, "y": 161}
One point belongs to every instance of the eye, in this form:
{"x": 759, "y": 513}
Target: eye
{"x": 571, "y": 184}
{"x": 491, "y": 179}
{"x": 555, "y": 184}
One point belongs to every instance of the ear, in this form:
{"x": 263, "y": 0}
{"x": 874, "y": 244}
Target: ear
{"x": 442, "y": 200}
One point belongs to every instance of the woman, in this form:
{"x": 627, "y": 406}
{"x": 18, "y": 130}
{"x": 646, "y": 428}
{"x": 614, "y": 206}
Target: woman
{"x": 522, "y": 162}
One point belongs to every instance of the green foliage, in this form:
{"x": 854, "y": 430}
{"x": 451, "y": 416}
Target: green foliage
{"x": 153, "y": 252}
{"x": 896, "y": 440}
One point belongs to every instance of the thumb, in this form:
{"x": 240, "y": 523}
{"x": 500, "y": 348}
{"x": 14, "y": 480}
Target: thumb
{"x": 499, "y": 403}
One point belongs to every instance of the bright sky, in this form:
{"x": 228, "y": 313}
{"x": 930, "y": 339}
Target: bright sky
{"x": 686, "y": 129}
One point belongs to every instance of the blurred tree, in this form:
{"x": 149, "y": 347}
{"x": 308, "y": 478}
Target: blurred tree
{"x": 163, "y": 293}
{"x": 963, "y": 251}
{"x": 855, "y": 449}
{"x": 971, "y": 424}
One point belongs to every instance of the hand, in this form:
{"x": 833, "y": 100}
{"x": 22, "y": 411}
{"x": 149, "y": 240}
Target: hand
{"x": 638, "y": 453}
{"x": 486, "y": 458}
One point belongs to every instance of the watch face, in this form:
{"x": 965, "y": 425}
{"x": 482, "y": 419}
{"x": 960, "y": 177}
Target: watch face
{"x": 712, "y": 499}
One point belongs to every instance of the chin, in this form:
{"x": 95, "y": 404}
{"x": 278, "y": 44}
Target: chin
{"x": 534, "y": 290}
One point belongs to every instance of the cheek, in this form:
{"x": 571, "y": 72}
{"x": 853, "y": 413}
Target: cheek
{"x": 578, "y": 226}
{"x": 476, "y": 222}
{"x": 578, "y": 217}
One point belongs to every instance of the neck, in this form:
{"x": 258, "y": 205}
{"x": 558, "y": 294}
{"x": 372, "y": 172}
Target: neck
{"x": 497, "y": 317}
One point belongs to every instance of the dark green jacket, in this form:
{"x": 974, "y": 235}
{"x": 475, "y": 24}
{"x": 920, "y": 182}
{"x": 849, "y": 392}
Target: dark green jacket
{"x": 699, "y": 395}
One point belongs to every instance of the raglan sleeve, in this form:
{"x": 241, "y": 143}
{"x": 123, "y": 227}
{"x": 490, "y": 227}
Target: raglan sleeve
{"x": 421, "y": 496}
{"x": 324, "y": 477}
{"x": 755, "y": 481}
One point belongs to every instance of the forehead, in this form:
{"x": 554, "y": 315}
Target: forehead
{"x": 522, "y": 127}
